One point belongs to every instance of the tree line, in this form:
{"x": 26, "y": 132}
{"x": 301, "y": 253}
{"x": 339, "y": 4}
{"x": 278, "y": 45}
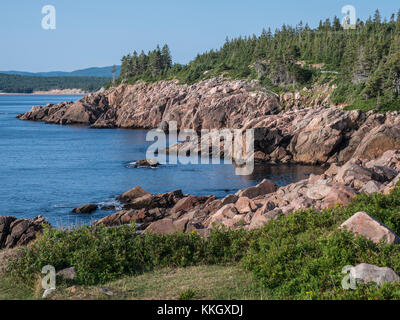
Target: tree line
{"x": 29, "y": 84}
{"x": 154, "y": 64}
{"x": 364, "y": 62}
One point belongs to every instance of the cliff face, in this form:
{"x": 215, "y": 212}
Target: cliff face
{"x": 297, "y": 127}
{"x": 206, "y": 105}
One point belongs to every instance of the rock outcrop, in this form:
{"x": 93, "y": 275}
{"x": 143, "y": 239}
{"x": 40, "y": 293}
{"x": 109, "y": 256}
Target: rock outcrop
{"x": 18, "y": 232}
{"x": 287, "y": 129}
{"x": 362, "y": 148}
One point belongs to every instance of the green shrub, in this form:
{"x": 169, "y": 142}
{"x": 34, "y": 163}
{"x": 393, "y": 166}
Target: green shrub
{"x": 101, "y": 254}
{"x": 302, "y": 256}
{"x": 188, "y": 294}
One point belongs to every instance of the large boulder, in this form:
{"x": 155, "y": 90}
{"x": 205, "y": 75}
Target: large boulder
{"x": 263, "y": 216}
{"x": 318, "y": 191}
{"x": 225, "y": 213}
{"x": 315, "y": 146}
{"x": 367, "y": 273}
{"x": 185, "y": 204}
{"x": 132, "y": 194}
{"x": 244, "y": 205}
{"x": 149, "y": 201}
{"x": 357, "y": 175}
{"x": 317, "y": 140}
{"x": 380, "y": 139}
{"x": 363, "y": 224}
{"x": 230, "y": 198}
{"x": 164, "y": 226}
{"x": 339, "y": 194}
{"x": 371, "y": 187}
{"x": 85, "y": 209}
{"x": 263, "y": 188}
{"x": 143, "y": 217}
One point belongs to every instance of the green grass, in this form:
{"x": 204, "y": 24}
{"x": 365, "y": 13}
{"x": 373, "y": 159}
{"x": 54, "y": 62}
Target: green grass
{"x": 197, "y": 282}
{"x": 374, "y": 104}
{"x": 102, "y": 254}
{"x": 296, "y": 257}
{"x": 9, "y": 290}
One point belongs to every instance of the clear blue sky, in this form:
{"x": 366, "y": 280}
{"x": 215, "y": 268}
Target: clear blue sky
{"x": 97, "y": 33}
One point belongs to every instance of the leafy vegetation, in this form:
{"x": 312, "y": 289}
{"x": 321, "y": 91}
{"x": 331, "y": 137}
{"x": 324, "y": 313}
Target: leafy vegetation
{"x": 27, "y": 84}
{"x": 188, "y": 294}
{"x": 364, "y": 63}
{"x": 221, "y": 282}
{"x": 102, "y": 254}
{"x": 296, "y": 257}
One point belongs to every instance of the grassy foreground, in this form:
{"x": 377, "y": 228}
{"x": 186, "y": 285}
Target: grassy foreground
{"x": 296, "y": 257}
{"x": 198, "y": 282}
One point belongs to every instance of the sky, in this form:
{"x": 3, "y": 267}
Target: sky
{"x": 95, "y": 33}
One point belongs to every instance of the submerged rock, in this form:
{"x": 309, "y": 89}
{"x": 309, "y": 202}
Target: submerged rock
{"x": 85, "y": 209}
{"x": 152, "y": 163}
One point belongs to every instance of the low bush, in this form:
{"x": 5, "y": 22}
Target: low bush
{"x": 101, "y": 254}
{"x": 300, "y": 256}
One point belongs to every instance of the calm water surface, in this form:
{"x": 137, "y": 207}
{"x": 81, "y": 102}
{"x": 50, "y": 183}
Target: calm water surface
{"x": 50, "y": 169}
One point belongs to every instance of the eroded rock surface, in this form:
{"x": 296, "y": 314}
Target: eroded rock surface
{"x": 305, "y": 132}
{"x": 18, "y": 232}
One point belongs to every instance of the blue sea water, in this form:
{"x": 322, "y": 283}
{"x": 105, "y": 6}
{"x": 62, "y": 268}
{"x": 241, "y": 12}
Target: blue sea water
{"x": 48, "y": 169}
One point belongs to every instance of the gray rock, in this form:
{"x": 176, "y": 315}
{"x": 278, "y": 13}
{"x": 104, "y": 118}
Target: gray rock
{"x": 68, "y": 273}
{"x": 367, "y": 273}
{"x": 230, "y": 198}
{"x": 371, "y": 187}
{"x": 318, "y": 191}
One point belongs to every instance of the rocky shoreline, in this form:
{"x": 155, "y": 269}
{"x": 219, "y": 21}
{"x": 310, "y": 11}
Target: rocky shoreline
{"x": 302, "y": 127}
{"x": 360, "y": 148}
{"x": 248, "y": 208}
{"x": 255, "y": 206}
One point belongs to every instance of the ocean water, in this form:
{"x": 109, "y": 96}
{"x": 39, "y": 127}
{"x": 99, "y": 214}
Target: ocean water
{"x": 48, "y": 169}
